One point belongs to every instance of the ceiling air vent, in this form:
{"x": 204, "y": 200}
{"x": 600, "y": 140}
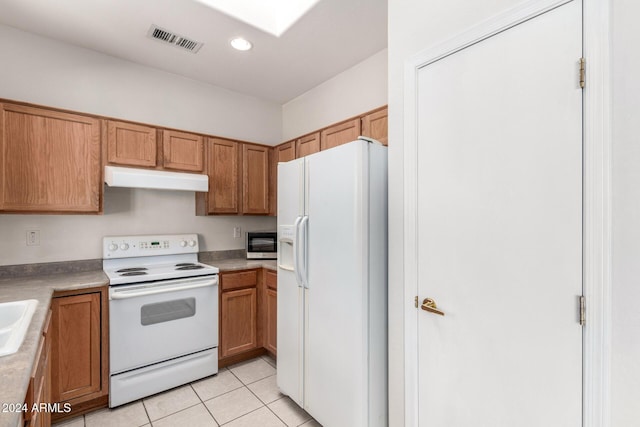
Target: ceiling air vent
{"x": 177, "y": 40}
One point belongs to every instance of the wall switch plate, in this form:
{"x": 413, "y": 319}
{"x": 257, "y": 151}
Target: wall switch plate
{"x": 237, "y": 232}
{"x": 33, "y": 237}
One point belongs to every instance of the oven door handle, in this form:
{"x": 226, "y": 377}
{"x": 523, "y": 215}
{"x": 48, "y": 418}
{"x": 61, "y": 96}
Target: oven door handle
{"x": 162, "y": 289}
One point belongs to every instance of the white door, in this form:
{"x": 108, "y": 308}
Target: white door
{"x": 499, "y": 228}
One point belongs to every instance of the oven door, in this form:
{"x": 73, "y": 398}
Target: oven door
{"x": 157, "y": 321}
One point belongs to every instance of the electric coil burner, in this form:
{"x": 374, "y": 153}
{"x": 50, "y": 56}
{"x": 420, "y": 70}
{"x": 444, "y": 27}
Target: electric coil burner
{"x": 163, "y": 314}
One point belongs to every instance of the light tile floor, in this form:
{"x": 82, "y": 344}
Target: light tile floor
{"x": 242, "y": 395}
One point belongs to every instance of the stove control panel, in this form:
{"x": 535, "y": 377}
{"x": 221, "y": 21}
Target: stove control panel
{"x": 149, "y": 245}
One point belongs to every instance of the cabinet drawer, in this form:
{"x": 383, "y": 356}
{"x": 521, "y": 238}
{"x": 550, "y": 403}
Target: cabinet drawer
{"x": 272, "y": 279}
{"x": 36, "y": 382}
{"x": 242, "y": 279}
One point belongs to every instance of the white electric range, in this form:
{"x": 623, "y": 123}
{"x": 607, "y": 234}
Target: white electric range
{"x": 163, "y": 314}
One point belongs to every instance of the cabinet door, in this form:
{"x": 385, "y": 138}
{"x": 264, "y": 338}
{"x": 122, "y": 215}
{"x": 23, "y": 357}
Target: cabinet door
{"x": 182, "y": 151}
{"x": 255, "y": 179}
{"x": 130, "y": 144}
{"x": 238, "y": 321}
{"x": 282, "y": 153}
{"x": 286, "y": 152}
{"x": 76, "y": 344}
{"x": 340, "y": 134}
{"x": 224, "y": 173}
{"x": 50, "y": 161}
{"x": 308, "y": 145}
{"x": 374, "y": 125}
{"x": 271, "y": 314}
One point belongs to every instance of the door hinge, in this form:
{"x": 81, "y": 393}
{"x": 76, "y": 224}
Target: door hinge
{"x": 583, "y": 71}
{"x": 416, "y": 301}
{"x": 583, "y": 311}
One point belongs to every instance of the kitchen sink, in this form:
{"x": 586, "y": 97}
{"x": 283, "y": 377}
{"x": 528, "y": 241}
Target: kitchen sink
{"x": 15, "y": 317}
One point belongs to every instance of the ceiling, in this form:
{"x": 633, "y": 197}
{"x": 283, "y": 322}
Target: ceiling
{"x": 333, "y": 36}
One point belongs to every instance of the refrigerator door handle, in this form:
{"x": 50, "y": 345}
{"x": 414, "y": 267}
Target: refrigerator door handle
{"x": 305, "y": 258}
{"x": 296, "y": 253}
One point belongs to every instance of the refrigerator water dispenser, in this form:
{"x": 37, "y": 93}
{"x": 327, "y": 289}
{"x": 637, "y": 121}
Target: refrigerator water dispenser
{"x": 286, "y": 234}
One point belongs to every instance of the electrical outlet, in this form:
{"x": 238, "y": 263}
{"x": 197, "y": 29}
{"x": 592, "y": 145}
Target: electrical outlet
{"x": 33, "y": 237}
{"x": 237, "y": 232}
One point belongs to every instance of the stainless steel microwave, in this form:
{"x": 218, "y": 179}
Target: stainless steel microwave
{"x": 262, "y": 245}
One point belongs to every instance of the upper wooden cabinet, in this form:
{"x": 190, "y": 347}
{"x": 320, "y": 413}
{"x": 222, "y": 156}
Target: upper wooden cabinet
{"x": 374, "y": 125}
{"x": 239, "y": 179}
{"x": 50, "y": 161}
{"x": 255, "y": 179}
{"x": 130, "y": 144}
{"x": 182, "y": 151}
{"x": 308, "y": 144}
{"x": 285, "y": 152}
{"x": 223, "y": 160}
{"x": 340, "y": 134}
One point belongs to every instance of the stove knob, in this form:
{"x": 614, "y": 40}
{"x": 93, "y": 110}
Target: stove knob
{"x": 183, "y": 243}
{"x": 113, "y": 247}
{"x": 124, "y": 246}
{"x": 192, "y": 243}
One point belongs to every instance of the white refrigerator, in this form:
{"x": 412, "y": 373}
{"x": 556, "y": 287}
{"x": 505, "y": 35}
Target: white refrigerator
{"x": 332, "y": 284}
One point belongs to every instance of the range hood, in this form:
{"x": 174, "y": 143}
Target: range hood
{"x": 152, "y": 179}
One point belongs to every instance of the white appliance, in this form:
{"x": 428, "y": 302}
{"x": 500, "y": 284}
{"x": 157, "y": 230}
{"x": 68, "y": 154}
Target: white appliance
{"x": 115, "y": 176}
{"x": 332, "y": 284}
{"x": 163, "y": 314}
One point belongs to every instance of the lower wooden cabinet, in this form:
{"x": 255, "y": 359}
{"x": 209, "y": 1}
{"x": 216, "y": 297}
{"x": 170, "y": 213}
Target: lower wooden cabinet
{"x": 271, "y": 312}
{"x": 239, "y": 326}
{"x": 39, "y": 391}
{"x": 79, "y": 351}
{"x": 248, "y": 301}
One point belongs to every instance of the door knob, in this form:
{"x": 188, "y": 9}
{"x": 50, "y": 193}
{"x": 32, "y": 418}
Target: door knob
{"x": 430, "y": 305}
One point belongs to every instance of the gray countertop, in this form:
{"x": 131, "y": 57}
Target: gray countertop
{"x": 242, "y": 264}
{"x": 15, "y": 369}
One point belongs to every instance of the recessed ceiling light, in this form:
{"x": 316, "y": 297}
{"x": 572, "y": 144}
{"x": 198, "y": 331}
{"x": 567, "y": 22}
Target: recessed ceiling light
{"x": 241, "y": 44}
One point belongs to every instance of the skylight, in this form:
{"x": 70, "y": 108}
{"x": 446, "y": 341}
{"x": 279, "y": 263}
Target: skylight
{"x": 274, "y": 16}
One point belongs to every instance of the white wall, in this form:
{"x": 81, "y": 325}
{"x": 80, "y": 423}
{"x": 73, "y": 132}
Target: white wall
{"x": 356, "y": 90}
{"x": 46, "y": 72}
{"x": 626, "y": 215}
{"x": 415, "y": 25}
{"x": 126, "y": 211}
{"x": 43, "y": 71}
